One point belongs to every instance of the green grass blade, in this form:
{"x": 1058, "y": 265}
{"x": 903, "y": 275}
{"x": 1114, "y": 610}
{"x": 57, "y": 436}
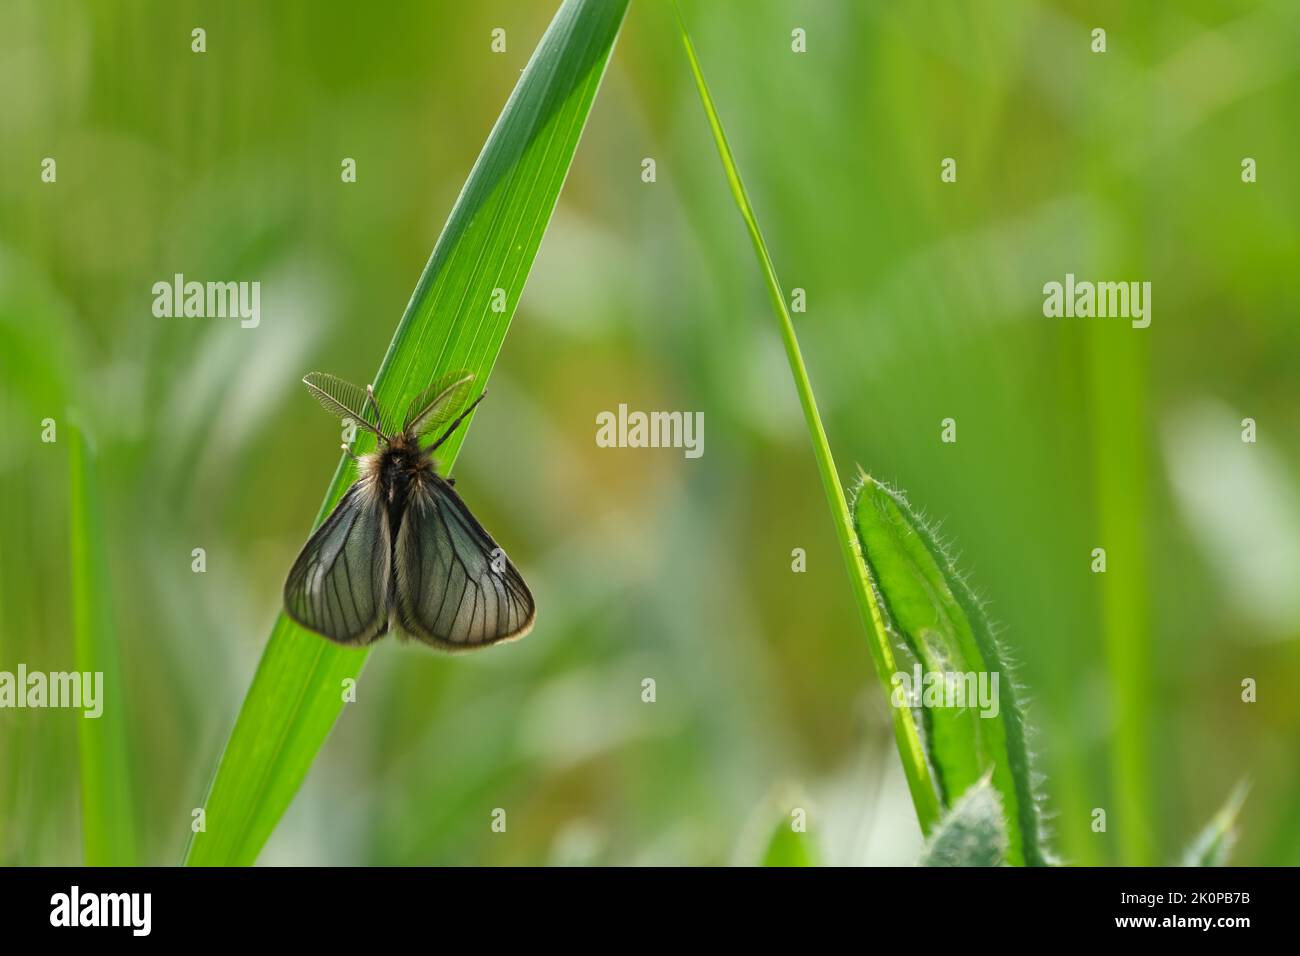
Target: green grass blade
{"x": 107, "y": 810}
{"x": 930, "y": 610}
{"x": 1213, "y": 844}
{"x": 788, "y": 847}
{"x": 972, "y": 833}
{"x": 489, "y": 242}
{"x": 924, "y": 796}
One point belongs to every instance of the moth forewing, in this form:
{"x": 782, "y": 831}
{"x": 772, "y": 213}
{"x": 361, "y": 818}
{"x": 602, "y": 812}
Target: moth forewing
{"x": 450, "y": 590}
{"x": 438, "y": 404}
{"x": 340, "y": 585}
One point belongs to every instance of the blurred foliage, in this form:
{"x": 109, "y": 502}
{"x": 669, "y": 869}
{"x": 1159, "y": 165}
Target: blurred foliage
{"x": 924, "y": 302}
{"x": 1213, "y": 845}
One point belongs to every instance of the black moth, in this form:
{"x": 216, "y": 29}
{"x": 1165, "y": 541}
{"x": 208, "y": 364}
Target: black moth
{"x": 401, "y": 550}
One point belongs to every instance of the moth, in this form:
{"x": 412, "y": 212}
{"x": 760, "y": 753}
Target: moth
{"x": 402, "y": 551}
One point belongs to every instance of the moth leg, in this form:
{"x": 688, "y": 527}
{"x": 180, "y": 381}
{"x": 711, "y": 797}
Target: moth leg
{"x": 374, "y": 405}
{"x": 456, "y": 424}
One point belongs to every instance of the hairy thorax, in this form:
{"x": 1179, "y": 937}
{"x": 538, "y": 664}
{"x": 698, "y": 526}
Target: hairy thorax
{"x": 395, "y": 468}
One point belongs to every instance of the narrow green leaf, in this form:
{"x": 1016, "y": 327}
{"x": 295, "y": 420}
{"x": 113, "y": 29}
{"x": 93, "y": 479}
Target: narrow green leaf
{"x": 972, "y": 833}
{"x": 107, "y": 811}
{"x": 934, "y": 617}
{"x": 906, "y": 735}
{"x": 1213, "y": 844}
{"x": 489, "y": 243}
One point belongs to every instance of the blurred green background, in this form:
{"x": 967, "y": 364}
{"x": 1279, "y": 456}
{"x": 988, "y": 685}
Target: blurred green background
{"x": 924, "y": 302}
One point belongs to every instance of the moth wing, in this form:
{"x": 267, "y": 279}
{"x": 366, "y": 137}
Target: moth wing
{"x": 343, "y": 399}
{"x": 339, "y": 585}
{"x": 449, "y": 591}
{"x": 439, "y": 403}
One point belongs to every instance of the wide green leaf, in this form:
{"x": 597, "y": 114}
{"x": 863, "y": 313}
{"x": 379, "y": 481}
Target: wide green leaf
{"x": 968, "y": 703}
{"x": 107, "y": 810}
{"x": 488, "y": 244}
{"x": 972, "y": 833}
